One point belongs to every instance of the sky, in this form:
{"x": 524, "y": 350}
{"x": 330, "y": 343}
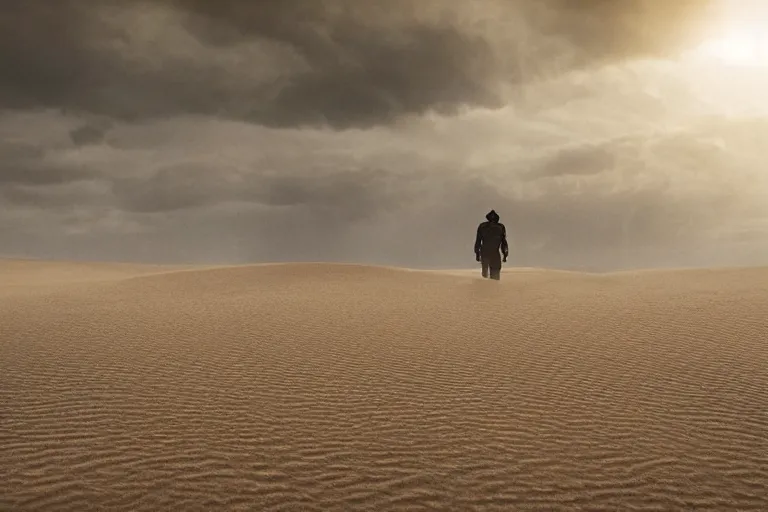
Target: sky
{"x": 608, "y": 134}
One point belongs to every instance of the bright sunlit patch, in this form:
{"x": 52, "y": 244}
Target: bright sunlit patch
{"x": 738, "y": 35}
{"x": 743, "y": 47}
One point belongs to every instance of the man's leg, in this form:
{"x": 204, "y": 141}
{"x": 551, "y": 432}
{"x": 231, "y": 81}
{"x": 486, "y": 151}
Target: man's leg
{"x": 484, "y": 266}
{"x": 494, "y": 264}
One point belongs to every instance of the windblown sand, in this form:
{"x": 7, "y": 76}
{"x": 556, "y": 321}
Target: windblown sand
{"x": 337, "y": 387}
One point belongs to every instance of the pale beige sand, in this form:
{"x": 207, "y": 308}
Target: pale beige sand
{"x": 332, "y": 387}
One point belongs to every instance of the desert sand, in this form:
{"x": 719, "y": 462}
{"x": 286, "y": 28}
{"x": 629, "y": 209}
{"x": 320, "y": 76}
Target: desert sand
{"x": 341, "y": 387}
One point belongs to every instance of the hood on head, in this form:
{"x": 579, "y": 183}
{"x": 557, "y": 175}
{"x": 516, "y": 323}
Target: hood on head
{"x": 492, "y": 216}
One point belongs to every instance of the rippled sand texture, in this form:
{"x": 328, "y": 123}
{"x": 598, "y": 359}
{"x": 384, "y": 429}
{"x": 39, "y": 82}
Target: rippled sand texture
{"x": 332, "y": 387}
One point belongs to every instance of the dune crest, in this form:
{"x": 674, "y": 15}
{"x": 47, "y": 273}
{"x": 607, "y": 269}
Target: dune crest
{"x": 349, "y": 387}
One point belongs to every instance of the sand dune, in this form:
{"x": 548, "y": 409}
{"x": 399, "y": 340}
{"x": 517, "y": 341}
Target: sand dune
{"x": 339, "y": 387}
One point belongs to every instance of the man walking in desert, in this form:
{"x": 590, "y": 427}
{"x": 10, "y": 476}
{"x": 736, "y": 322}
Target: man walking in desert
{"x": 491, "y": 238}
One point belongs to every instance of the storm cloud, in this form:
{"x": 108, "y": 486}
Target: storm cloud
{"x": 379, "y": 132}
{"x": 340, "y": 63}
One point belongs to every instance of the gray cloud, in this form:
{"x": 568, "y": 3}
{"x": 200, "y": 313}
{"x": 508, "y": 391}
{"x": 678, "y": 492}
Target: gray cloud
{"x": 89, "y": 133}
{"x": 176, "y": 187}
{"x": 576, "y": 161}
{"x": 336, "y": 195}
{"x": 274, "y": 208}
{"x": 332, "y": 62}
{"x": 27, "y": 164}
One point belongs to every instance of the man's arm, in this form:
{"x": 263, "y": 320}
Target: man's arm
{"x": 478, "y": 239}
{"x": 504, "y": 244}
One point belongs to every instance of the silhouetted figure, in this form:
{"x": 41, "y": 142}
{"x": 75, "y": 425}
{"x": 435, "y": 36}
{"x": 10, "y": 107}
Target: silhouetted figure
{"x": 491, "y": 238}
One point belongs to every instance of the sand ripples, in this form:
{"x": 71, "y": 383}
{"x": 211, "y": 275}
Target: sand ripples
{"x": 319, "y": 387}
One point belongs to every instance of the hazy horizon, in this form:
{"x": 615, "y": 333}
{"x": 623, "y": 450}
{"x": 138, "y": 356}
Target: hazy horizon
{"x": 607, "y": 135}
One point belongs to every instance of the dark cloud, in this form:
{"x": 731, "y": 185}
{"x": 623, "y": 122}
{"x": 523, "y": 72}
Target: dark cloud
{"x": 576, "y": 161}
{"x": 89, "y": 133}
{"x": 335, "y": 197}
{"x": 54, "y": 198}
{"x": 348, "y": 196}
{"x": 46, "y": 46}
{"x": 291, "y": 62}
{"x": 26, "y": 164}
{"x": 176, "y": 187}
{"x": 19, "y": 152}
{"x": 429, "y": 68}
